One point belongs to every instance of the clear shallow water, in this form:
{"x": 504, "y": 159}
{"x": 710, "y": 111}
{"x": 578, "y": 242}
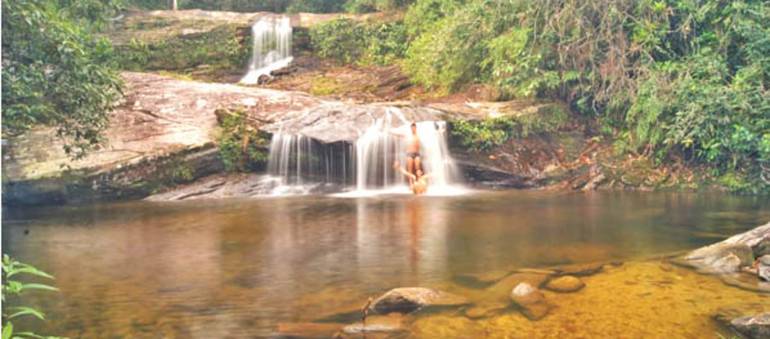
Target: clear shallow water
{"x": 238, "y": 267}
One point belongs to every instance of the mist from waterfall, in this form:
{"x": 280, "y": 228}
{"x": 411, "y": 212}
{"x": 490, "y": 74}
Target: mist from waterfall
{"x": 301, "y": 164}
{"x": 271, "y": 47}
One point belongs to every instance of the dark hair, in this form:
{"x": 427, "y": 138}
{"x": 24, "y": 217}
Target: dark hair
{"x": 414, "y": 124}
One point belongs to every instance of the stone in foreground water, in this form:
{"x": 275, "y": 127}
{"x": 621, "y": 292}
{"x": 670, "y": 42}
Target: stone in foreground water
{"x": 531, "y": 301}
{"x": 410, "y": 299}
{"x": 565, "y": 284}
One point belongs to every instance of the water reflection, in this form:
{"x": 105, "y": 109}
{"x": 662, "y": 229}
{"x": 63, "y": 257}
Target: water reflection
{"x": 237, "y": 267}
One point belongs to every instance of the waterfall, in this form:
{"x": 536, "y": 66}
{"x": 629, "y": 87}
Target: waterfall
{"x": 367, "y": 164}
{"x": 271, "y": 47}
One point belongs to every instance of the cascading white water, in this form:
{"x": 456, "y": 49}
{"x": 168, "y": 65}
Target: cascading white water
{"x": 298, "y": 160}
{"x": 271, "y": 47}
{"x": 300, "y": 163}
{"x": 385, "y": 142}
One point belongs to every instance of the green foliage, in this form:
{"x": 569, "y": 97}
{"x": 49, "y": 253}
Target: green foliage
{"x": 13, "y": 288}
{"x": 482, "y": 135}
{"x": 242, "y": 147}
{"x": 672, "y": 77}
{"x": 348, "y": 41}
{"x": 339, "y": 39}
{"x": 449, "y": 52}
{"x": 218, "y": 49}
{"x": 367, "y": 6}
{"x": 55, "y": 72}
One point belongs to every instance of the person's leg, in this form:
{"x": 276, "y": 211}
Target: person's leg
{"x": 410, "y": 168}
{"x": 418, "y": 165}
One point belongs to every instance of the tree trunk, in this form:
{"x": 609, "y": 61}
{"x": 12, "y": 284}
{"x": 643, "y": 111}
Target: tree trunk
{"x": 173, "y": 4}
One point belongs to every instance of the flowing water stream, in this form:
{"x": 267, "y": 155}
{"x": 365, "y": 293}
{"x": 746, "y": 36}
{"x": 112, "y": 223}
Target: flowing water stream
{"x": 299, "y": 163}
{"x": 271, "y": 47}
{"x": 237, "y": 268}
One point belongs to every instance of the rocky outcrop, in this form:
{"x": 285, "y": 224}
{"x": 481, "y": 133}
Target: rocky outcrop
{"x": 164, "y": 134}
{"x": 730, "y": 255}
{"x": 410, "y": 299}
{"x": 531, "y": 301}
{"x": 748, "y": 326}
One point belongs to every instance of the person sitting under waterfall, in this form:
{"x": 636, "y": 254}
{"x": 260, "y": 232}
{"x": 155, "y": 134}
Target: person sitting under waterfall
{"x": 418, "y": 182}
{"x": 413, "y": 161}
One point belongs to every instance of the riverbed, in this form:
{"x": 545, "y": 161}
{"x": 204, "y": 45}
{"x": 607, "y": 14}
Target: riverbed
{"x": 239, "y": 267}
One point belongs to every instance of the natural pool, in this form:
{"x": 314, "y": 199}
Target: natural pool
{"x": 237, "y": 268}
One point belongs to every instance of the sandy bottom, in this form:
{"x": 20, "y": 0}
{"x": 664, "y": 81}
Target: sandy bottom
{"x": 636, "y": 300}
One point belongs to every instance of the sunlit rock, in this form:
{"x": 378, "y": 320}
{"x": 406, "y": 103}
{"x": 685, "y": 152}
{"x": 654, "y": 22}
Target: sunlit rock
{"x": 565, "y": 284}
{"x": 531, "y": 301}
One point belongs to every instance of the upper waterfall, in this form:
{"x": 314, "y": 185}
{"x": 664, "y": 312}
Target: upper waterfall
{"x": 271, "y": 47}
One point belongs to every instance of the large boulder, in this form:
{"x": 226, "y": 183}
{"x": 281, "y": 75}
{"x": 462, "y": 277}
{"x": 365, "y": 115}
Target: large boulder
{"x": 730, "y": 255}
{"x": 410, "y": 299}
{"x": 531, "y": 301}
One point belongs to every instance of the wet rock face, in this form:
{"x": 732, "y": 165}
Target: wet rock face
{"x": 410, "y": 299}
{"x": 565, "y": 284}
{"x": 531, "y": 301}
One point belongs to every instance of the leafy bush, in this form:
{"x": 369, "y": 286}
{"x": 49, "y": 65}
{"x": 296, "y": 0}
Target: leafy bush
{"x": 241, "y": 147}
{"x": 13, "y": 288}
{"x": 482, "y": 135}
{"x": 348, "y": 41}
{"x": 218, "y": 48}
{"x": 340, "y": 39}
{"x": 449, "y": 52}
{"x": 55, "y": 72}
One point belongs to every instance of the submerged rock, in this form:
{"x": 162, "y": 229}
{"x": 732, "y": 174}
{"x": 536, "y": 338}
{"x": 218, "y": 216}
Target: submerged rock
{"x": 410, "y": 299}
{"x": 485, "y": 310}
{"x": 393, "y": 322}
{"x": 531, "y": 301}
{"x": 308, "y": 330}
{"x": 565, "y": 284}
{"x": 580, "y": 269}
{"x": 481, "y": 279}
{"x": 505, "y": 285}
{"x": 746, "y": 281}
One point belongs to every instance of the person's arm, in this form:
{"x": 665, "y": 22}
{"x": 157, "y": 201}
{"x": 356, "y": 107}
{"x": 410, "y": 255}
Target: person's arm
{"x": 403, "y": 171}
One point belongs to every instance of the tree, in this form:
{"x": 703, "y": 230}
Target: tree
{"x": 55, "y": 72}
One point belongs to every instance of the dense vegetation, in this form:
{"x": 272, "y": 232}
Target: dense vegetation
{"x": 670, "y": 79}
{"x": 208, "y": 54}
{"x": 278, "y": 6}
{"x": 55, "y": 72}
